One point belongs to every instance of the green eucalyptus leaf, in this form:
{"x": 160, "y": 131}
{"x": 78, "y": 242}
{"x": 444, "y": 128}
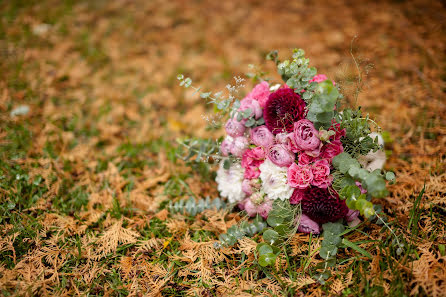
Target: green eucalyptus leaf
{"x": 274, "y": 221}
{"x": 335, "y": 228}
{"x": 282, "y": 229}
{"x": 251, "y": 122}
{"x": 390, "y": 176}
{"x": 328, "y": 252}
{"x": 267, "y": 259}
{"x": 265, "y": 249}
{"x": 270, "y": 236}
{"x": 376, "y": 185}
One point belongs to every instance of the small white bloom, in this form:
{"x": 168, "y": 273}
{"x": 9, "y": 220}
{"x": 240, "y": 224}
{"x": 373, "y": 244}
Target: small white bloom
{"x": 230, "y": 182}
{"x": 374, "y": 160}
{"x": 274, "y": 181}
{"x": 274, "y": 88}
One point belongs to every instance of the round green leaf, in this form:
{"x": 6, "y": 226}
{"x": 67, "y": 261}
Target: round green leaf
{"x": 265, "y": 249}
{"x": 390, "y": 176}
{"x": 274, "y": 221}
{"x": 267, "y": 259}
{"x": 270, "y": 236}
{"x": 282, "y": 229}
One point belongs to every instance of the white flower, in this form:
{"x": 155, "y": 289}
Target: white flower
{"x": 230, "y": 182}
{"x": 274, "y": 181}
{"x": 374, "y": 160}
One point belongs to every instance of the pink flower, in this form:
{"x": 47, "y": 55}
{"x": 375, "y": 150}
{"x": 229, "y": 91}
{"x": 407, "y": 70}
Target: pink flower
{"x": 253, "y": 105}
{"x": 287, "y": 139}
{"x": 279, "y": 155}
{"x": 320, "y": 78}
{"x": 246, "y": 187}
{"x": 352, "y": 218}
{"x": 305, "y": 159}
{"x": 363, "y": 191}
{"x": 307, "y": 137}
{"x": 225, "y": 146}
{"x": 297, "y": 196}
{"x": 261, "y": 136}
{"x": 260, "y": 93}
{"x": 330, "y": 150}
{"x": 351, "y": 215}
{"x": 251, "y": 160}
{"x": 321, "y": 174}
{"x": 307, "y": 225}
{"x": 299, "y": 176}
{"x": 239, "y": 146}
{"x": 234, "y": 128}
{"x": 241, "y": 204}
{"x": 263, "y": 209}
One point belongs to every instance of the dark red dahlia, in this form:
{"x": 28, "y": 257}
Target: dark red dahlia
{"x": 282, "y": 109}
{"x": 323, "y": 205}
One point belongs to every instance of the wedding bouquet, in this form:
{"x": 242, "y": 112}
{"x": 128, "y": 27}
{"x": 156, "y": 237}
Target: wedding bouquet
{"x": 296, "y": 155}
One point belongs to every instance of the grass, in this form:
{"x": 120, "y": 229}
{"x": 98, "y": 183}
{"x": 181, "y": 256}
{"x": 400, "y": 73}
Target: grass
{"x": 86, "y": 176}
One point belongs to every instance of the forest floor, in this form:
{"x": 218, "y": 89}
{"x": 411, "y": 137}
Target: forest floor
{"x": 90, "y": 109}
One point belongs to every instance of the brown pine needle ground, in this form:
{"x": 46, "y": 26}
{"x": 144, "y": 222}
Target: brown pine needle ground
{"x": 90, "y": 110}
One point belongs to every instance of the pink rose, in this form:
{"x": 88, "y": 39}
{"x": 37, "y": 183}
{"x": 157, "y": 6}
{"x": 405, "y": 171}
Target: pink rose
{"x": 330, "y": 150}
{"x": 320, "y": 78}
{"x": 251, "y": 160}
{"x": 305, "y": 159}
{"x": 287, "y": 139}
{"x": 234, "y": 128}
{"x": 299, "y": 176}
{"x": 307, "y": 137}
{"x": 297, "y": 196}
{"x": 260, "y": 93}
{"x": 253, "y": 105}
{"x": 246, "y": 187}
{"x": 225, "y": 146}
{"x": 279, "y": 155}
{"x": 261, "y": 136}
{"x": 252, "y": 208}
{"x": 321, "y": 174}
{"x": 239, "y": 146}
{"x": 307, "y": 225}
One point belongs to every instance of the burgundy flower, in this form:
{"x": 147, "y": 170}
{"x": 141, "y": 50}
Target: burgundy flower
{"x": 323, "y": 205}
{"x": 282, "y": 109}
{"x": 336, "y": 127}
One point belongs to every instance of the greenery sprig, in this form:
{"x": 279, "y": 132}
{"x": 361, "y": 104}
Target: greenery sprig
{"x": 297, "y": 73}
{"x": 245, "y": 228}
{"x": 193, "y": 207}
